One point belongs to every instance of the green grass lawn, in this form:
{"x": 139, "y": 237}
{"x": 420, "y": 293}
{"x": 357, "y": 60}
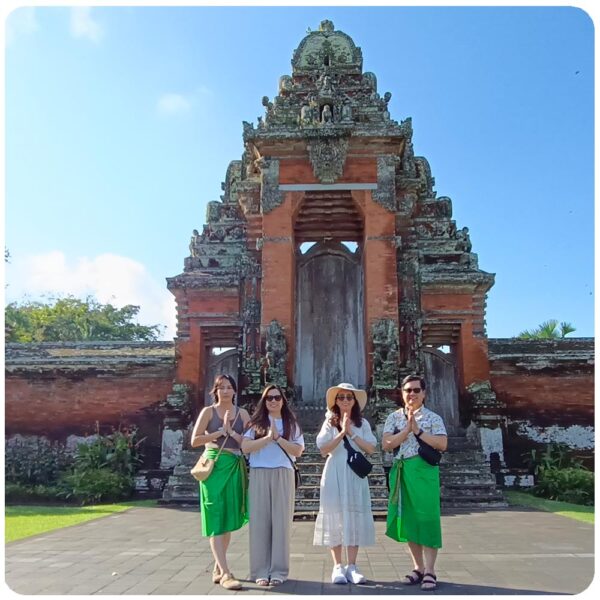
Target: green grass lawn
{"x": 566, "y": 509}
{"x": 24, "y": 521}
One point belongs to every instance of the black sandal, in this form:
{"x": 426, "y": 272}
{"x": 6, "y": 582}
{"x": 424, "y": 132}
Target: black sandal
{"x": 412, "y": 580}
{"x": 431, "y": 582}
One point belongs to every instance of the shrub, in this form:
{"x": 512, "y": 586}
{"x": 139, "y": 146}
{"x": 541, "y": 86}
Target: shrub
{"x": 118, "y": 452}
{"x": 18, "y": 493}
{"x": 574, "y": 485}
{"x": 35, "y": 461}
{"x": 93, "y": 485}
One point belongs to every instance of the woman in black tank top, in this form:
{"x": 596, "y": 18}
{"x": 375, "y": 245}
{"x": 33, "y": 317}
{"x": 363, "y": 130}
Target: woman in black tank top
{"x": 223, "y": 503}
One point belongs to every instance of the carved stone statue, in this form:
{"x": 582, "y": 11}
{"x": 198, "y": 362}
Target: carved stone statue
{"x": 463, "y": 240}
{"x": 193, "y": 241}
{"x": 384, "y": 335}
{"x": 346, "y": 113}
{"x": 276, "y": 354}
{"x": 327, "y": 115}
{"x": 306, "y": 115}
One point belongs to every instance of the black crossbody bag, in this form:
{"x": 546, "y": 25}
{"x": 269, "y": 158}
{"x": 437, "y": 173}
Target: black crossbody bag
{"x": 357, "y": 461}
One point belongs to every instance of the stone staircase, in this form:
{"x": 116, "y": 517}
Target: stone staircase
{"x": 466, "y": 480}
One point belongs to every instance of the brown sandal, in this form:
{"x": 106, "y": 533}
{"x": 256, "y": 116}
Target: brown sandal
{"x": 229, "y": 582}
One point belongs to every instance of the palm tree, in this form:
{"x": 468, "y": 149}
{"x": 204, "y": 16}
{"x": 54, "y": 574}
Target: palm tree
{"x": 548, "y": 330}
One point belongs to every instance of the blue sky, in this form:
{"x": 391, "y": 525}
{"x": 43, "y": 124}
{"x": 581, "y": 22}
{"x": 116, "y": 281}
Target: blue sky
{"x": 120, "y": 124}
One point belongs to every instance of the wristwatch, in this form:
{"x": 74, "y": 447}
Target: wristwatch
{"x": 418, "y": 435}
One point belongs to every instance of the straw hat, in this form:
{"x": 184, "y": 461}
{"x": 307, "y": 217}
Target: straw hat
{"x": 360, "y": 395}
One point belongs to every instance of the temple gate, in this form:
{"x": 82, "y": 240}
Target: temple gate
{"x": 390, "y": 276}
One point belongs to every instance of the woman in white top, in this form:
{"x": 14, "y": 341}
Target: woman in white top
{"x": 345, "y": 517}
{"x": 273, "y": 440}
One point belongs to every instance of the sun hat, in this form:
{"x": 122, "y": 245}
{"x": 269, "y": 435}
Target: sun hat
{"x": 360, "y": 395}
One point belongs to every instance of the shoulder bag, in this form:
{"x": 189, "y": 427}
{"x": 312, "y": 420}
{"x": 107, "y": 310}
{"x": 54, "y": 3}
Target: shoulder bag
{"x": 428, "y": 453}
{"x": 357, "y": 461}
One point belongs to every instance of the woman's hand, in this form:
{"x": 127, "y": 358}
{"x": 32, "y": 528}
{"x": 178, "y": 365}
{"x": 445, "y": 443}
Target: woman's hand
{"x": 273, "y": 431}
{"x": 226, "y": 424}
{"x": 347, "y": 425}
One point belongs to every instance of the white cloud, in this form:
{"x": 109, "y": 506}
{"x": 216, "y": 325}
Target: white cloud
{"x": 84, "y": 26}
{"x": 173, "y": 104}
{"x": 108, "y": 277}
{"x": 21, "y": 21}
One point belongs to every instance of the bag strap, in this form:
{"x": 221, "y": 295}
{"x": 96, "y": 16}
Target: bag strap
{"x": 289, "y": 457}
{"x": 347, "y": 445}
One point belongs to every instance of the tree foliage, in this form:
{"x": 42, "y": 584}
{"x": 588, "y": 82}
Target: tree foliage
{"x": 548, "y": 330}
{"x": 70, "y": 319}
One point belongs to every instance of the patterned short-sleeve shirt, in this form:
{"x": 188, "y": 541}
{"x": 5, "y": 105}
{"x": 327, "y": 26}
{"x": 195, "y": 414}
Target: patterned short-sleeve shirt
{"x": 427, "y": 420}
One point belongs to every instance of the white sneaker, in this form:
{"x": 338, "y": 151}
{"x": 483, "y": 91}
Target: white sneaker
{"x": 354, "y": 576}
{"x": 338, "y": 575}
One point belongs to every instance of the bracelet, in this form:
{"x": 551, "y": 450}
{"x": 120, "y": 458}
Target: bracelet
{"x": 418, "y": 435}
{"x": 353, "y": 436}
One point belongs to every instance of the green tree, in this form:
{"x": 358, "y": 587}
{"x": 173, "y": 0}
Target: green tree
{"x": 70, "y": 319}
{"x": 548, "y": 330}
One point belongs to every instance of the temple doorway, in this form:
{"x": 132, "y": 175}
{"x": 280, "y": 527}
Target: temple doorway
{"x": 330, "y": 340}
{"x": 220, "y": 361}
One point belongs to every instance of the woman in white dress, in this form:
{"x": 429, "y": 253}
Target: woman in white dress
{"x": 345, "y": 517}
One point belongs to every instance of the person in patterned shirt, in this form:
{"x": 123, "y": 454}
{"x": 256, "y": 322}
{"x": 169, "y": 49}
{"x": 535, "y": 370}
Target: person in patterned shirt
{"x": 414, "y": 503}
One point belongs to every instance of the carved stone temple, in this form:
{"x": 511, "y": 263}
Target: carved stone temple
{"x": 330, "y": 257}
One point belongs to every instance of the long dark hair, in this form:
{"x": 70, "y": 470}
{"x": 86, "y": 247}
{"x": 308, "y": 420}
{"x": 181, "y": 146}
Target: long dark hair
{"x": 260, "y": 419}
{"x": 218, "y": 380}
{"x": 336, "y": 417}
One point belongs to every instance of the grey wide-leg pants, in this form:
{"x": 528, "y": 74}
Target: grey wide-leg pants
{"x": 271, "y": 496}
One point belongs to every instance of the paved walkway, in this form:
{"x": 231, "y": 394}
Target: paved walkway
{"x": 160, "y": 551}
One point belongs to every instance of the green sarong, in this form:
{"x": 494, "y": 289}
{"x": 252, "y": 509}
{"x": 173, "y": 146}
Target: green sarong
{"x": 223, "y": 503}
{"x": 414, "y": 504}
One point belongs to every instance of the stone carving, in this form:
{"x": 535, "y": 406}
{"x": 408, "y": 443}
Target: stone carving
{"x": 346, "y": 113}
{"x": 328, "y": 156}
{"x": 384, "y": 337}
{"x": 193, "y": 242}
{"x": 271, "y": 197}
{"x": 385, "y": 194}
{"x": 285, "y": 84}
{"x": 327, "y": 115}
{"x": 463, "y": 240}
{"x": 276, "y": 354}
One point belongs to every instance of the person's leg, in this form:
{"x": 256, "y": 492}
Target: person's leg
{"x": 217, "y": 546}
{"x": 283, "y": 513}
{"x": 259, "y": 499}
{"x": 429, "y": 580}
{"x": 416, "y": 553}
{"x": 338, "y": 574}
{"x": 352, "y": 573}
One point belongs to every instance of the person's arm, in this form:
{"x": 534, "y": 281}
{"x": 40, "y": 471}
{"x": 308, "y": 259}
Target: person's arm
{"x": 330, "y": 446}
{"x": 391, "y": 441}
{"x": 199, "y": 435}
{"x": 364, "y": 440}
{"x": 238, "y": 437}
{"x": 439, "y": 442}
{"x": 249, "y": 446}
{"x": 290, "y": 447}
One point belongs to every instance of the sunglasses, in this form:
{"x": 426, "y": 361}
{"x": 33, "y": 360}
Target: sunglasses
{"x": 344, "y": 397}
{"x": 413, "y": 390}
{"x": 276, "y": 398}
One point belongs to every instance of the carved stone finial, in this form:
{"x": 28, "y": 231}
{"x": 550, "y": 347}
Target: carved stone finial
{"x": 326, "y": 25}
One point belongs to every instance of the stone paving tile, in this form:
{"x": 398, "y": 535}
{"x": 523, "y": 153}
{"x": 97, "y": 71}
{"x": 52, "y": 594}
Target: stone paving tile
{"x": 159, "y": 551}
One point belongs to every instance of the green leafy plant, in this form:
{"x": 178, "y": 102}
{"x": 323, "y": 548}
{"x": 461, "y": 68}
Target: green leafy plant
{"x": 548, "y": 330}
{"x": 18, "y": 493}
{"x": 552, "y": 456}
{"x": 574, "y": 485}
{"x": 92, "y": 485}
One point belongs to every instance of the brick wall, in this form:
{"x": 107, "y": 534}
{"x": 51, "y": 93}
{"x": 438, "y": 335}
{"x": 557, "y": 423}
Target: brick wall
{"x": 61, "y": 389}
{"x": 548, "y": 389}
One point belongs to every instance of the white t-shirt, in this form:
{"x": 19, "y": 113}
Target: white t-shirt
{"x": 272, "y": 455}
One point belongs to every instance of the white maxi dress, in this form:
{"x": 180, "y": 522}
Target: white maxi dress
{"x": 345, "y": 516}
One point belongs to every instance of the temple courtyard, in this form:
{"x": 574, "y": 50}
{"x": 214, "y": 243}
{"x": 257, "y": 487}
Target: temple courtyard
{"x": 160, "y": 551}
